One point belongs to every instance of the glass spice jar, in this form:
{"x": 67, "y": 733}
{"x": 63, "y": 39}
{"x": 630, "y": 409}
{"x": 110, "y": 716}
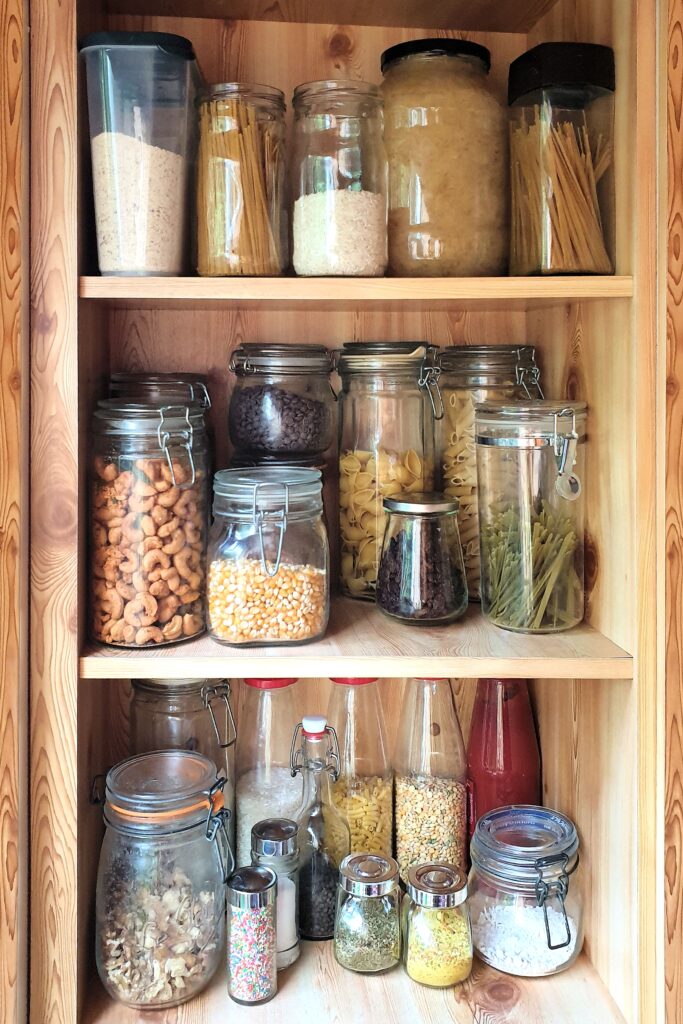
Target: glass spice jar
{"x": 437, "y": 944}
{"x": 421, "y": 576}
{"x": 275, "y": 845}
{"x": 367, "y": 930}
{"x": 252, "y": 942}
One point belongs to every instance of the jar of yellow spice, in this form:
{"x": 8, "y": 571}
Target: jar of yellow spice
{"x": 437, "y": 936}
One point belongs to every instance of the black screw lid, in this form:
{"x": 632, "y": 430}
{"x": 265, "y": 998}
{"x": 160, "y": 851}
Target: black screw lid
{"x": 554, "y": 64}
{"x": 175, "y": 46}
{"x": 436, "y": 48}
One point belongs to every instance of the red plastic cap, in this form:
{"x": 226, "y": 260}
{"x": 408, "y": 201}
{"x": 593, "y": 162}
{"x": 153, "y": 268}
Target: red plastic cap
{"x": 269, "y": 684}
{"x": 354, "y": 682}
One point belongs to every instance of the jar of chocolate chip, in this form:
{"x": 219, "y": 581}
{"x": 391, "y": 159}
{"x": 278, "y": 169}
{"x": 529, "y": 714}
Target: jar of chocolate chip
{"x": 282, "y": 401}
{"x": 421, "y": 575}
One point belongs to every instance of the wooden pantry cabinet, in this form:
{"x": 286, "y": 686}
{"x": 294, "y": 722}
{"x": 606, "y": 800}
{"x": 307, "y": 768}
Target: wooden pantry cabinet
{"x": 599, "y": 690}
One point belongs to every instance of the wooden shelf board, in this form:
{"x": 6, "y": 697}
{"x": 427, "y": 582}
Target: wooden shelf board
{"x": 353, "y": 293}
{"x": 316, "y": 988}
{"x": 361, "y": 641}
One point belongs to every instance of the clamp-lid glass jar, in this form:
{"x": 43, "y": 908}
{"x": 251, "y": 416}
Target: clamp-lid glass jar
{"x": 282, "y": 402}
{"x": 367, "y": 929}
{"x": 527, "y": 914}
{"x": 389, "y": 401}
{"x": 471, "y": 374}
{"x": 530, "y": 468}
{"x": 421, "y": 575}
{"x": 161, "y": 388}
{"x": 148, "y": 523}
{"x": 268, "y": 557}
{"x": 437, "y": 942}
{"x": 160, "y": 908}
{"x": 252, "y": 938}
{"x": 275, "y": 845}
{"x": 340, "y": 180}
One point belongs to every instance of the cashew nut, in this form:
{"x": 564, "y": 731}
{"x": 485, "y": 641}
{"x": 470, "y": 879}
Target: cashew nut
{"x": 190, "y": 597}
{"x": 131, "y": 563}
{"x": 131, "y": 528}
{"x": 160, "y": 515}
{"x": 150, "y": 467}
{"x": 173, "y": 630}
{"x": 150, "y": 543}
{"x": 121, "y": 633}
{"x": 142, "y": 611}
{"x": 186, "y": 505}
{"x": 139, "y": 582}
{"x": 160, "y": 588}
{"x": 124, "y": 483}
{"x": 115, "y": 535}
{"x": 166, "y": 529}
{"x": 175, "y": 544}
{"x": 154, "y": 558}
{"x": 168, "y": 606}
{"x": 193, "y": 533}
{"x": 105, "y": 470}
{"x": 126, "y": 590}
{"x": 139, "y": 503}
{"x": 149, "y": 635}
{"x": 169, "y": 497}
{"x": 178, "y": 476}
{"x": 99, "y": 535}
{"x": 191, "y": 624}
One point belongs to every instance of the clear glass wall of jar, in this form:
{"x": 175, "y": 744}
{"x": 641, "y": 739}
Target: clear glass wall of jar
{"x": 526, "y": 907}
{"x": 275, "y": 845}
{"x": 389, "y": 401}
{"x": 161, "y": 388}
{"x": 268, "y": 557}
{"x": 339, "y": 180}
{"x": 472, "y": 374}
{"x": 241, "y": 207}
{"x": 282, "y": 402}
{"x": 148, "y": 523}
{"x": 160, "y": 908}
{"x": 447, "y": 146}
{"x": 367, "y": 929}
{"x": 252, "y": 938}
{"x": 437, "y": 937}
{"x": 530, "y": 467}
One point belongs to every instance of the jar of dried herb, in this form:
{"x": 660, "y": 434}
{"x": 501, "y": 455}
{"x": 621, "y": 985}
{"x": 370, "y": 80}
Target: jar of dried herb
{"x": 367, "y": 932}
{"x": 437, "y": 937}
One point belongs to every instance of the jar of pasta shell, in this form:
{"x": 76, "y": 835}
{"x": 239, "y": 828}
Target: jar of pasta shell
{"x": 389, "y": 403}
{"x": 471, "y": 374}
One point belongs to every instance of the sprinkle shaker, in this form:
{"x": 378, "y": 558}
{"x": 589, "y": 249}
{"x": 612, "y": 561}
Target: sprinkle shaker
{"x": 252, "y": 946}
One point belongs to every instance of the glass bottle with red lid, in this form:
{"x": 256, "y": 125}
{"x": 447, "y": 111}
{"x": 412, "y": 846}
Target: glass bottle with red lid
{"x": 503, "y": 760}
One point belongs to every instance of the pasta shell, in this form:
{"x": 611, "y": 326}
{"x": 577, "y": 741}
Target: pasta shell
{"x": 347, "y": 565}
{"x": 349, "y": 463}
{"x": 364, "y": 479}
{"x": 413, "y": 463}
{"x": 354, "y": 533}
{"x": 389, "y": 488}
{"x": 360, "y": 499}
{"x": 368, "y": 554}
{"x": 357, "y": 586}
{"x": 402, "y": 474}
{"x": 364, "y": 457}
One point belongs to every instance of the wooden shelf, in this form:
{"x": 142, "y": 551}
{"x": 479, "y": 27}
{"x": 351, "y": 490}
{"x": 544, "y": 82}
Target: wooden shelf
{"x": 316, "y": 988}
{"x": 361, "y": 641}
{"x": 415, "y": 293}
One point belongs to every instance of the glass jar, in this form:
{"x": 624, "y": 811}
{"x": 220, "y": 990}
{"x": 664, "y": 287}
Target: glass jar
{"x": 268, "y": 557}
{"x": 437, "y": 937}
{"x": 445, "y": 130}
{"x": 561, "y": 97}
{"x": 161, "y": 388}
{"x": 160, "y": 907}
{"x": 282, "y": 401}
{"x": 421, "y": 575}
{"x": 527, "y": 914}
{"x": 367, "y": 930}
{"x": 339, "y": 180}
{"x": 530, "y": 461}
{"x": 265, "y": 787}
{"x": 141, "y": 94}
{"x": 252, "y": 941}
{"x": 148, "y": 523}
{"x": 429, "y": 778}
{"x": 472, "y": 374}
{"x": 503, "y": 760}
{"x": 363, "y": 793}
{"x": 241, "y": 208}
{"x": 275, "y": 845}
{"x": 324, "y": 839}
{"x": 389, "y": 401}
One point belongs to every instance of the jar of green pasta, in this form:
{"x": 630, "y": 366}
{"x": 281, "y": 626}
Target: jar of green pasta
{"x": 472, "y": 374}
{"x": 437, "y": 936}
{"x": 530, "y": 468}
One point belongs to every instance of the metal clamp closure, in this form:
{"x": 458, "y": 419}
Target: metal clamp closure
{"x": 211, "y": 694}
{"x": 216, "y": 821}
{"x": 202, "y": 398}
{"x": 297, "y": 763}
{"x": 429, "y": 379}
{"x": 179, "y": 442}
{"x": 565, "y": 444}
{"x": 275, "y": 517}
{"x": 529, "y": 378}
{"x": 558, "y": 888}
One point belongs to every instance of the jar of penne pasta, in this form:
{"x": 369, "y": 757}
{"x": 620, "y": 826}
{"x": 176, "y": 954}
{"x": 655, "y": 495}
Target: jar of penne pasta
{"x": 389, "y": 402}
{"x": 472, "y": 374}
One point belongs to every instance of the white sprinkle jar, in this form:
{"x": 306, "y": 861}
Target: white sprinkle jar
{"x": 525, "y": 903}
{"x": 275, "y": 845}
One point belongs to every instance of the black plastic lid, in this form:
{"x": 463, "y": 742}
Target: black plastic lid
{"x": 436, "y": 48}
{"x": 175, "y": 46}
{"x": 554, "y": 64}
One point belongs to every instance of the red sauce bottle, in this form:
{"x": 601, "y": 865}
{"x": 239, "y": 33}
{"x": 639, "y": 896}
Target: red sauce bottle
{"x": 503, "y": 761}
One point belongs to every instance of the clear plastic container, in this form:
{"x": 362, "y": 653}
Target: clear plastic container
{"x": 526, "y": 907}
{"x": 367, "y": 930}
{"x": 252, "y": 935}
{"x": 268, "y": 557}
{"x": 339, "y": 180}
{"x": 275, "y": 845}
{"x": 430, "y": 771}
{"x": 364, "y": 790}
{"x": 437, "y": 937}
{"x": 562, "y": 160}
{"x": 141, "y": 94}
{"x": 530, "y": 460}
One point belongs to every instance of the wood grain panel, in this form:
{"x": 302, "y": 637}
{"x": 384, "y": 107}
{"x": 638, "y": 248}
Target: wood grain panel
{"x": 13, "y": 509}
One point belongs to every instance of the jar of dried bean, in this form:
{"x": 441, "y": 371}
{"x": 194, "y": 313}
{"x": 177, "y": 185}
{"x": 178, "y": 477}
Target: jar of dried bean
{"x": 367, "y": 930}
{"x": 437, "y": 937}
{"x": 268, "y": 557}
{"x": 160, "y": 907}
{"x": 389, "y": 402}
{"x": 148, "y": 523}
{"x": 430, "y": 772}
{"x": 472, "y": 374}
{"x": 364, "y": 790}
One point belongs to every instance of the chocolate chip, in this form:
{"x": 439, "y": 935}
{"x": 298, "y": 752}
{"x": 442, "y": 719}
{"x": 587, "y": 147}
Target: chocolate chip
{"x": 265, "y": 418}
{"x": 433, "y": 590}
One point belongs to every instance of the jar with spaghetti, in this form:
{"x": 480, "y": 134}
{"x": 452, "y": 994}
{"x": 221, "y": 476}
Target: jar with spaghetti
{"x": 561, "y": 97}
{"x": 241, "y": 210}
{"x": 389, "y": 402}
{"x": 472, "y": 374}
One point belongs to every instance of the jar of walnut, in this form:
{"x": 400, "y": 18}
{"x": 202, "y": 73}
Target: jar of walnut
{"x": 149, "y": 473}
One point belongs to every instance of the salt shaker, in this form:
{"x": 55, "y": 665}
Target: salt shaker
{"x": 252, "y": 946}
{"x": 275, "y": 845}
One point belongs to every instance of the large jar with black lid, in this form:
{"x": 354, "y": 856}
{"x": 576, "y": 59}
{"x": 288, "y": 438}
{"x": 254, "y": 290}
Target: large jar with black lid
{"x": 472, "y": 374}
{"x": 282, "y": 402}
{"x": 447, "y": 147}
{"x": 148, "y": 474}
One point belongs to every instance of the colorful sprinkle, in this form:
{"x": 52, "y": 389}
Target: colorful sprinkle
{"x": 252, "y": 968}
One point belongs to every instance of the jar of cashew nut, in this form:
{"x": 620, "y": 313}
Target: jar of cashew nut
{"x": 389, "y": 402}
{"x": 148, "y": 523}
